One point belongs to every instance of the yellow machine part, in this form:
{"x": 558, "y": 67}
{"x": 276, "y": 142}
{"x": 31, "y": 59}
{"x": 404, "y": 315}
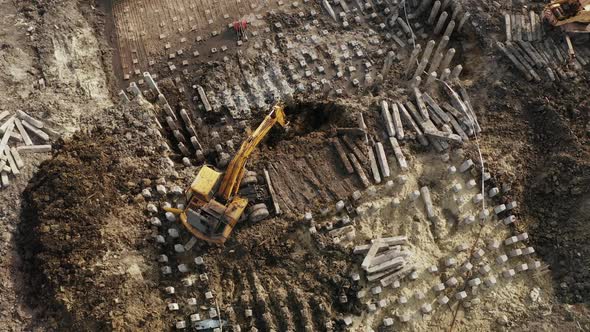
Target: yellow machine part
{"x": 231, "y": 215}
{"x": 205, "y": 183}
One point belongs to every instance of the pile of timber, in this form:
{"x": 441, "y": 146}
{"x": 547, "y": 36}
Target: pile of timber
{"x": 19, "y": 130}
{"x": 386, "y": 259}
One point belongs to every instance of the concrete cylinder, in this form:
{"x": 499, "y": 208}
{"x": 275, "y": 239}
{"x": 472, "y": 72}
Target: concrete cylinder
{"x": 134, "y": 89}
{"x": 428, "y": 50}
{"x": 449, "y": 29}
{"x": 441, "y": 45}
{"x": 434, "y": 12}
{"x": 330, "y": 10}
{"x": 415, "y": 82}
{"x": 413, "y": 59}
{"x": 123, "y": 97}
{"x": 456, "y": 10}
{"x": 404, "y": 26}
{"x": 508, "y": 26}
{"x": 435, "y": 62}
{"x": 445, "y": 74}
{"x": 183, "y": 149}
{"x": 447, "y": 59}
{"x": 195, "y": 142}
{"x": 431, "y": 78}
{"x": 445, "y": 4}
{"x": 147, "y": 77}
{"x": 387, "y": 63}
{"x": 441, "y": 22}
{"x": 421, "y": 67}
{"x": 456, "y": 72}
{"x": 171, "y": 123}
{"x": 463, "y": 21}
{"x": 179, "y": 136}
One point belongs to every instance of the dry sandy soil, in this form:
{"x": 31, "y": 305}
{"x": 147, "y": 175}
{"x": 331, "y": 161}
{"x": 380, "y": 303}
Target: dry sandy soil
{"x": 78, "y": 251}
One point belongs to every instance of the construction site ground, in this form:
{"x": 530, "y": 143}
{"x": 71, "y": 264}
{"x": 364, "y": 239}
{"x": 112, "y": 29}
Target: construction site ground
{"x": 79, "y": 250}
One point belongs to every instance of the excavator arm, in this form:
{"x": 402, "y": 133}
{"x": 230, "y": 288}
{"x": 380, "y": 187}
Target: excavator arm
{"x": 235, "y": 171}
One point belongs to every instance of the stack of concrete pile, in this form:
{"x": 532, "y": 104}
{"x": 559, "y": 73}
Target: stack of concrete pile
{"x": 539, "y": 58}
{"x": 437, "y": 124}
{"x": 16, "y": 130}
{"x": 386, "y": 259}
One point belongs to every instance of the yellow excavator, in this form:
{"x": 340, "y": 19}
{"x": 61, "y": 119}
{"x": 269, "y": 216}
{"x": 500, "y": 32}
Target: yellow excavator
{"x": 213, "y": 204}
{"x": 571, "y": 16}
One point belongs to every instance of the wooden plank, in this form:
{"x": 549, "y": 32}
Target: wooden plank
{"x": 9, "y": 128}
{"x": 434, "y": 106}
{"x": 25, "y": 117}
{"x": 359, "y": 170}
{"x": 35, "y": 131}
{"x": 4, "y": 114}
{"x": 11, "y": 162}
{"x": 374, "y": 167}
{"x": 17, "y": 158}
{"x": 352, "y": 146}
{"x": 342, "y": 154}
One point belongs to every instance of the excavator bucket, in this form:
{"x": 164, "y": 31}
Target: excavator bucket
{"x": 279, "y": 114}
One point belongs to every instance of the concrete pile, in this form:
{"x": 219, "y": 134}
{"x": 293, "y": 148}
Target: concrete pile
{"x": 189, "y": 135}
{"x": 20, "y": 129}
{"x": 436, "y": 124}
{"x": 523, "y": 27}
{"x": 386, "y": 260}
{"x": 358, "y": 156}
{"x": 543, "y": 59}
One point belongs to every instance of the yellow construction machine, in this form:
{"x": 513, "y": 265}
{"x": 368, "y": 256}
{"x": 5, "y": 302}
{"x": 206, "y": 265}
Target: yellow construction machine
{"x": 213, "y": 203}
{"x": 570, "y": 15}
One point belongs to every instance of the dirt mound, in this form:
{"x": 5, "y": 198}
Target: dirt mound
{"x": 79, "y": 237}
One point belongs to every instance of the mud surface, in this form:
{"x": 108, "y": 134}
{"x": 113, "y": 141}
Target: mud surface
{"x": 80, "y": 252}
{"x": 546, "y": 159}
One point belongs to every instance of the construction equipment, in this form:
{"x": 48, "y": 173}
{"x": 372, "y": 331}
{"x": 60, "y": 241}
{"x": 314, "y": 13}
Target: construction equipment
{"x": 570, "y": 15}
{"x": 213, "y": 203}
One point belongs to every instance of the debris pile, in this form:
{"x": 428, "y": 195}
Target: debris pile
{"x": 16, "y": 130}
{"x": 386, "y": 260}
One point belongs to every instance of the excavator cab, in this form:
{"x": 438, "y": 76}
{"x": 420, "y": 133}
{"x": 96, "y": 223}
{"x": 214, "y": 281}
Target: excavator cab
{"x": 204, "y": 216}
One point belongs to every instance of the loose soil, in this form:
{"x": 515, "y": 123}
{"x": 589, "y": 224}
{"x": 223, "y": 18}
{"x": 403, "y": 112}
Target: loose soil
{"x": 79, "y": 251}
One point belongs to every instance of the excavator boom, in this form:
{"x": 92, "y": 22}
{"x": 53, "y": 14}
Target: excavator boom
{"x": 235, "y": 171}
